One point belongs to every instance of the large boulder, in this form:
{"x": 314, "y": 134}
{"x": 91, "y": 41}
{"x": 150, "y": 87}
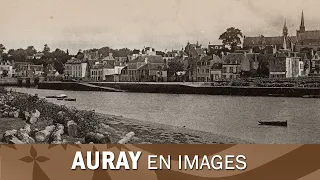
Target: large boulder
{"x": 16, "y": 113}
{"x": 105, "y": 129}
{"x": 44, "y": 135}
{"x": 56, "y": 136}
{"x": 73, "y": 129}
{"x": 97, "y": 138}
{"x": 15, "y": 140}
{"x": 34, "y": 116}
{"x": 24, "y": 137}
{"x": 26, "y": 115}
{"x": 127, "y": 138}
{"x": 8, "y": 135}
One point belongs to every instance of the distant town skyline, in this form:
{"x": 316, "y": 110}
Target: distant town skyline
{"x": 165, "y": 24}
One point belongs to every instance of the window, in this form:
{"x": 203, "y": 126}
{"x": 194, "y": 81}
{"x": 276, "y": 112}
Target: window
{"x": 207, "y": 70}
{"x": 231, "y": 70}
{"x": 224, "y": 69}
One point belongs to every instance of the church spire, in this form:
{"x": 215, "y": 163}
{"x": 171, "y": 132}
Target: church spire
{"x": 285, "y": 29}
{"x": 302, "y": 27}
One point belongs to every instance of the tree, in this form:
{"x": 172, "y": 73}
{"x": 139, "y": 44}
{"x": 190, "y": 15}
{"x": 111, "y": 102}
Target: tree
{"x": 80, "y": 54}
{"x": 18, "y": 55}
{"x": 175, "y": 66}
{"x": 104, "y": 51}
{"x": 58, "y": 66}
{"x": 46, "y": 49}
{"x": 232, "y": 37}
{"x": 124, "y": 52}
{"x": 2, "y": 49}
{"x": 136, "y": 51}
{"x": 31, "y": 51}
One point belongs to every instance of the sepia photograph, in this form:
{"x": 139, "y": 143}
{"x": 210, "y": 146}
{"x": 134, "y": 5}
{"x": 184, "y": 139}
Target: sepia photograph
{"x": 159, "y": 72}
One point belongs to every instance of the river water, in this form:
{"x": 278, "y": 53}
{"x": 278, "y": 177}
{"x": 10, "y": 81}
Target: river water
{"x": 232, "y": 116}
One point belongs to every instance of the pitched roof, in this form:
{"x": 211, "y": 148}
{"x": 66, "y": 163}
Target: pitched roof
{"x": 199, "y": 51}
{"x": 252, "y": 56}
{"x": 74, "y": 61}
{"x": 150, "y": 58}
{"x": 102, "y": 66}
{"x": 261, "y": 40}
{"x": 310, "y": 35}
{"x": 205, "y": 59}
{"x": 149, "y": 67}
{"x": 233, "y": 58}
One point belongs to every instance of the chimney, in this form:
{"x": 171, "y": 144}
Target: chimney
{"x": 312, "y": 53}
{"x": 274, "y": 49}
{"x": 110, "y": 54}
{"x": 250, "y": 50}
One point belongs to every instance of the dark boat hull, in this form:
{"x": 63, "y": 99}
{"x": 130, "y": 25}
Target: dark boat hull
{"x": 51, "y": 96}
{"x": 69, "y": 99}
{"x": 274, "y": 123}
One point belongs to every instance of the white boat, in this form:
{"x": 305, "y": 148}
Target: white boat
{"x": 62, "y": 96}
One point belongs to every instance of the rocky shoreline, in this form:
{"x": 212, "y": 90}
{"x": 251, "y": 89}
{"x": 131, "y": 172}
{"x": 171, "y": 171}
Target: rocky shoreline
{"x": 29, "y": 119}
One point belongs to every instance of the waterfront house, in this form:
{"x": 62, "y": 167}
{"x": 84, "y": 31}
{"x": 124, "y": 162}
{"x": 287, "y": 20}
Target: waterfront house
{"x": 195, "y": 53}
{"x": 20, "y": 69}
{"x": 306, "y": 61}
{"x": 231, "y": 65}
{"x": 146, "y": 68}
{"x": 75, "y": 68}
{"x": 124, "y": 76}
{"x": 119, "y": 65}
{"x": 51, "y": 74}
{"x": 285, "y": 65}
{"x": 102, "y": 72}
{"x": 132, "y": 70}
{"x": 203, "y": 69}
{"x": 26, "y": 69}
{"x": 249, "y": 65}
{"x": 216, "y": 68}
{"x": 109, "y": 60}
{"x": 151, "y": 68}
{"x": 315, "y": 64}
{"x": 6, "y": 69}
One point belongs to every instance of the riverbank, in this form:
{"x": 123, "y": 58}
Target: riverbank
{"x": 114, "y": 128}
{"x": 189, "y": 88}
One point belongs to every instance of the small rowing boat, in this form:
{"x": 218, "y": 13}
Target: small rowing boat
{"x": 273, "y": 123}
{"x": 62, "y": 96}
{"x": 51, "y": 97}
{"x": 276, "y": 95}
{"x": 70, "y": 99}
{"x": 311, "y": 96}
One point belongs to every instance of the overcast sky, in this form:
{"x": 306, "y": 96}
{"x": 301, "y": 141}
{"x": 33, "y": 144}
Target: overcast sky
{"x": 163, "y": 24}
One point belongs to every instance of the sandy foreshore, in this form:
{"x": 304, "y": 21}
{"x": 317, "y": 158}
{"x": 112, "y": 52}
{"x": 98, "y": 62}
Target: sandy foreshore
{"x": 155, "y": 133}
